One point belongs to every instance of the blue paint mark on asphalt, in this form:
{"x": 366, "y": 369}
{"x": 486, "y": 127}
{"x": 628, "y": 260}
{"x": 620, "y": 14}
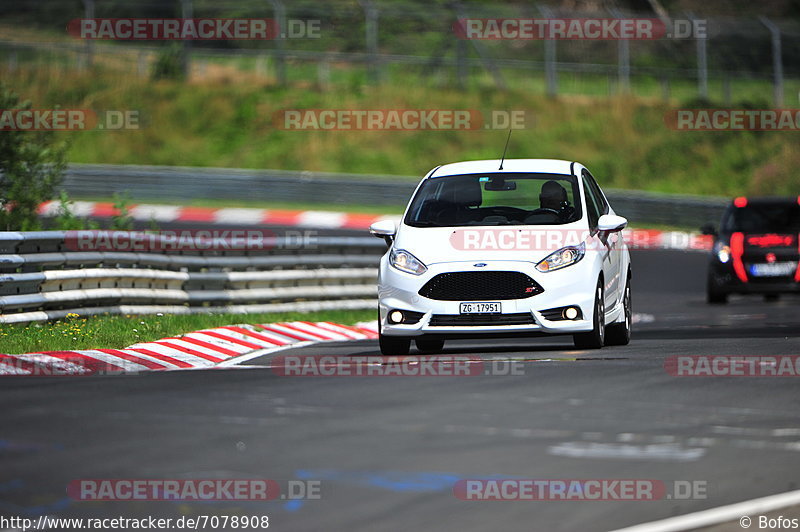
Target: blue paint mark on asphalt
{"x": 390, "y": 480}
{"x": 399, "y": 481}
{"x": 11, "y": 485}
{"x": 21, "y": 446}
{"x": 293, "y": 505}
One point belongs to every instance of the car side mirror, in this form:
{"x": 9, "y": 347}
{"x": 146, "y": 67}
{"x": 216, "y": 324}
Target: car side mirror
{"x": 708, "y": 229}
{"x": 385, "y": 229}
{"x": 611, "y": 223}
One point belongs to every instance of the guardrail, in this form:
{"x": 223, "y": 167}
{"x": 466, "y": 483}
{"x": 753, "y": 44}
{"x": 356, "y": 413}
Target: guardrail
{"x": 48, "y": 274}
{"x": 43, "y": 276}
{"x": 168, "y": 183}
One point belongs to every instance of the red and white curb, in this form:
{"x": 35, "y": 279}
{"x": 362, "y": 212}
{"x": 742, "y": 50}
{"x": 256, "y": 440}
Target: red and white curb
{"x": 233, "y": 216}
{"x": 220, "y": 346}
{"x": 636, "y": 238}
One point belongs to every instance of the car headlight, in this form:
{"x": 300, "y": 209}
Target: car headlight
{"x": 406, "y": 262}
{"x": 562, "y": 258}
{"x": 722, "y": 251}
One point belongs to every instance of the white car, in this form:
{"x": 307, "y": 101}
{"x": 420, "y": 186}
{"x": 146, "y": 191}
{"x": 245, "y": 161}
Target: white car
{"x": 522, "y": 247}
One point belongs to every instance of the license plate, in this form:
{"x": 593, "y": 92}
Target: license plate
{"x": 776, "y": 269}
{"x": 480, "y": 308}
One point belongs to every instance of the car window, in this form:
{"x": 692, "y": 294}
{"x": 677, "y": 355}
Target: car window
{"x": 496, "y": 199}
{"x": 763, "y": 218}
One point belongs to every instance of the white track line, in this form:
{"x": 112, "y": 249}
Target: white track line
{"x": 720, "y": 514}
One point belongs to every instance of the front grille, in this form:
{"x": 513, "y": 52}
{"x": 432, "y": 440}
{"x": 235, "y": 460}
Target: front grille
{"x": 480, "y": 286}
{"x": 446, "y": 320}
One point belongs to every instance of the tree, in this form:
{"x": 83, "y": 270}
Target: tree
{"x": 31, "y": 167}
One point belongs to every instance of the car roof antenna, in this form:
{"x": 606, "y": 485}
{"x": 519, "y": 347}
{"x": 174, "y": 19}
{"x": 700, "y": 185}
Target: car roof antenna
{"x": 504, "y": 149}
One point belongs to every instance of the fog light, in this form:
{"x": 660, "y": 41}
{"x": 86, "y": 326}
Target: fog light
{"x": 570, "y": 313}
{"x": 396, "y": 316}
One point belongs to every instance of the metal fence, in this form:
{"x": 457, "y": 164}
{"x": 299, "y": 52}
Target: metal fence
{"x": 43, "y": 277}
{"x": 180, "y": 184}
{"x": 375, "y": 41}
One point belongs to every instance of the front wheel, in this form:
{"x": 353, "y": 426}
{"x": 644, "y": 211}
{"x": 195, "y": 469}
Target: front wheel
{"x": 620, "y": 333}
{"x": 429, "y": 345}
{"x": 594, "y": 339}
{"x": 394, "y": 345}
{"x": 715, "y": 295}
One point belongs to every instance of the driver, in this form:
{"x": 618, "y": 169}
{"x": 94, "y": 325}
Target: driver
{"x": 553, "y": 197}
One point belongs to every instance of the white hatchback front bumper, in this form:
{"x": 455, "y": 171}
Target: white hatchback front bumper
{"x": 571, "y": 286}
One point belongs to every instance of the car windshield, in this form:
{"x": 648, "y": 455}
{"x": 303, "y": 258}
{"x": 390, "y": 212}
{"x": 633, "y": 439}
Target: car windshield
{"x": 764, "y": 218}
{"x": 496, "y": 199}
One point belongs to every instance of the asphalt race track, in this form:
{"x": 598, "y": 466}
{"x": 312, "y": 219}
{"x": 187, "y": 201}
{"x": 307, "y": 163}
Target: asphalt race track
{"x": 387, "y": 451}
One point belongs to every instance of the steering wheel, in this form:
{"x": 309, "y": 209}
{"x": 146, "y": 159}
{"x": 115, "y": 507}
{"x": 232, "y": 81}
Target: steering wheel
{"x": 509, "y": 212}
{"x": 543, "y": 215}
{"x": 543, "y": 210}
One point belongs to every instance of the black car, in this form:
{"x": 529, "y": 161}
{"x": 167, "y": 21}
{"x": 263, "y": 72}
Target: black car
{"x": 756, "y": 250}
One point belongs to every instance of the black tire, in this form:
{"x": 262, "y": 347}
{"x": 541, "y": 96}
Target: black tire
{"x": 429, "y": 345}
{"x": 397, "y": 346}
{"x": 392, "y": 345}
{"x": 620, "y": 333}
{"x": 594, "y": 339}
{"x": 714, "y": 295}
{"x": 771, "y": 298}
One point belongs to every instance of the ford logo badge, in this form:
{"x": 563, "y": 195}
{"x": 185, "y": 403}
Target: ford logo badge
{"x": 480, "y": 265}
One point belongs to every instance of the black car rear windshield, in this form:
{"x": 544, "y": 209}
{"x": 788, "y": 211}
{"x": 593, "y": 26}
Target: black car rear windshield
{"x": 763, "y": 218}
{"x": 496, "y": 199}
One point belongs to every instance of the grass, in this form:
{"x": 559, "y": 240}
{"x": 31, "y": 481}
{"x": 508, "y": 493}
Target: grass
{"x": 624, "y": 140}
{"x": 115, "y": 332}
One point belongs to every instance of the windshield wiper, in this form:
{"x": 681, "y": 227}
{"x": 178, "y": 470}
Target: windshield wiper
{"x": 424, "y": 223}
